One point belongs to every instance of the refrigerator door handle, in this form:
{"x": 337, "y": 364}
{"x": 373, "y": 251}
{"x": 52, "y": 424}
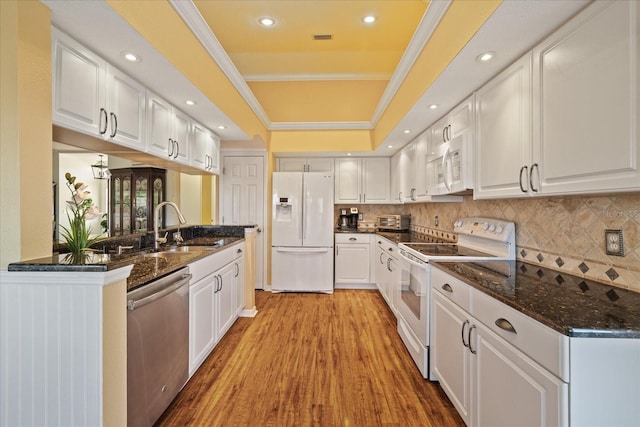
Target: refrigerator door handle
{"x": 304, "y": 250}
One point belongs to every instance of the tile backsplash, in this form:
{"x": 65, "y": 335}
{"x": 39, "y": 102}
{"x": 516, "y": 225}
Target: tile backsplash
{"x": 562, "y": 233}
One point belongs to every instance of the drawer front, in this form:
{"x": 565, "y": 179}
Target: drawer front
{"x": 218, "y": 259}
{"x": 353, "y": 238}
{"x": 386, "y": 245}
{"x": 454, "y": 289}
{"x": 544, "y": 345}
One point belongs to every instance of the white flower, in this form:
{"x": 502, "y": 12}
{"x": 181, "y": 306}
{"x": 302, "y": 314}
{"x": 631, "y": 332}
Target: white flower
{"x": 92, "y": 212}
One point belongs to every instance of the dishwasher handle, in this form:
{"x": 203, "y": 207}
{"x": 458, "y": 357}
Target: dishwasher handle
{"x": 170, "y": 287}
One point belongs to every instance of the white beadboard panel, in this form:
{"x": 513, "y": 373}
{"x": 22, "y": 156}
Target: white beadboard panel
{"x": 51, "y": 355}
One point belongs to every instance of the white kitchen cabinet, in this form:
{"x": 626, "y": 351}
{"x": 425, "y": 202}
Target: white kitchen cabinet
{"x": 214, "y": 300}
{"x": 458, "y": 121}
{"x": 362, "y": 180}
{"x": 205, "y": 149}
{"x": 202, "y": 333}
{"x": 586, "y": 98}
{"x": 387, "y": 273}
{"x": 488, "y": 378}
{"x": 396, "y": 183}
{"x": 93, "y": 97}
{"x": 168, "y": 130}
{"x": 503, "y": 133}
{"x": 421, "y": 147}
{"x": 310, "y": 164}
{"x": 352, "y": 260}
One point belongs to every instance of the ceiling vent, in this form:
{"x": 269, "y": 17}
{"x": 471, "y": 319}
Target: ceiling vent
{"x": 323, "y": 36}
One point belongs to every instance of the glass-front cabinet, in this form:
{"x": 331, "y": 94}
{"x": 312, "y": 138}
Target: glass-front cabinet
{"x": 135, "y": 192}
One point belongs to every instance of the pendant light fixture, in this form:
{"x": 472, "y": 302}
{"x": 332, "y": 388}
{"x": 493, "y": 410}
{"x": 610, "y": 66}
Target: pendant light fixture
{"x": 100, "y": 169}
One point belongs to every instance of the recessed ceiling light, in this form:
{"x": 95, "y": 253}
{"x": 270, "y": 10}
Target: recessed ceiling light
{"x": 131, "y": 57}
{"x": 485, "y": 57}
{"x": 433, "y": 106}
{"x": 266, "y": 21}
{"x": 190, "y": 102}
{"x": 406, "y": 131}
{"x": 389, "y": 146}
{"x": 369, "y": 19}
{"x": 221, "y": 127}
{"x": 348, "y": 154}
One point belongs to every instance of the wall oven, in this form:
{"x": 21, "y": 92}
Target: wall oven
{"x": 479, "y": 239}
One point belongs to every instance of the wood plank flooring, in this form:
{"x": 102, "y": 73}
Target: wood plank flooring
{"x": 312, "y": 360}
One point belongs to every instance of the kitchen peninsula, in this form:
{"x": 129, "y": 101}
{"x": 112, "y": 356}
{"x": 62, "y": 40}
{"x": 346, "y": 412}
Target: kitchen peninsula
{"x": 70, "y": 321}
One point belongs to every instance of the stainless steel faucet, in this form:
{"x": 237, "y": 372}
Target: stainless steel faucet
{"x": 156, "y": 225}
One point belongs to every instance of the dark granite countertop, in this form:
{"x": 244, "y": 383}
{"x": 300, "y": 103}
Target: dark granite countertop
{"x": 571, "y": 305}
{"x": 145, "y": 267}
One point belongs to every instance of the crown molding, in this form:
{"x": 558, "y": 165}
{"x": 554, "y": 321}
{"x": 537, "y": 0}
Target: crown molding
{"x": 320, "y": 126}
{"x": 196, "y": 23}
{"x": 314, "y": 77}
{"x": 427, "y": 26}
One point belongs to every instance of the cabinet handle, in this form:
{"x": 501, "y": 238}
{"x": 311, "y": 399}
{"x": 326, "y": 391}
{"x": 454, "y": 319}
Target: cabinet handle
{"x": 449, "y": 133}
{"x": 381, "y": 254}
{"x": 464, "y": 324}
{"x": 352, "y": 239}
{"x": 471, "y": 348}
{"x": 390, "y": 249}
{"x": 444, "y": 134}
{"x": 221, "y": 289}
{"x": 237, "y": 270}
{"x": 170, "y": 148}
{"x": 114, "y": 125}
{"x": 504, "y": 324}
{"x": 215, "y": 291}
{"x": 447, "y": 287}
{"x": 523, "y": 169}
{"x": 103, "y": 112}
{"x": 389, "y": 265}
{"x": 177, "y": 149}
{"x": 533, "y": 166}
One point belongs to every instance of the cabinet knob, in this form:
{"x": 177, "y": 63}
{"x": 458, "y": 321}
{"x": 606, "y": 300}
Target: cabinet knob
{"x": 353, "y": 239}
{"x": 505, "y": 325}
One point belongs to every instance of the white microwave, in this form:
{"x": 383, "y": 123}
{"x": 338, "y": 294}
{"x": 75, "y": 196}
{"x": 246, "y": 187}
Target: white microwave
{"x": 449, "y": 167}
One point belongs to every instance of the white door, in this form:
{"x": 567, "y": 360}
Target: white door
{"x": 317, "y": 230}
{"x": 243, "y": 201}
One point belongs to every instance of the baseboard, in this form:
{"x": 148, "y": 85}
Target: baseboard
{"x": 249, "y": 312}
{"x": 355, "y": 286}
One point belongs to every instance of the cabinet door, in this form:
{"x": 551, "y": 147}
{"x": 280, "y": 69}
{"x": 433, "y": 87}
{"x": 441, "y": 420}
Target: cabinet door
{"x": 78, "y": 86}
{"x": 214, "y": 154}
{"x": 182, "y": 136}
{"x": 226, "y": 298}
{"x": 202, "y": 335}
{"x": 159, "y": 127}
{"x": 451, "y": 357}
{"x": 352, "y": 263}
{"x": 380, "y": 263}
{"x": 587, "y": 103}
{"x": 126, "y": 106}
{"x": 290, "y": 164}
{"x": 406, "y": 167}
{"x": 201, "y": 146}
{"x": 319, "y": 164}
{"x": 396, "y": 178}
{"x": 510, "y": 389}
{"x": 375, "y": 180}
{"x": 348, "y": 185}
{"x": 503, "y": 133}
{"x": 422, "y": 144}
{"x": 461, "y": 119}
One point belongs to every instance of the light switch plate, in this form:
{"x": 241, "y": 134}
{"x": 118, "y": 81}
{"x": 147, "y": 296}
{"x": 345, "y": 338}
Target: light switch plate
{"x": 614, "y": 242}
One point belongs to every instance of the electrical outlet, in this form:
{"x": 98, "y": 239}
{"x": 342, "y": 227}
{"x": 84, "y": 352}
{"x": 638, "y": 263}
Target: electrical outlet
{"x": 614, "y": 242}
{"x": 437, "y": 221}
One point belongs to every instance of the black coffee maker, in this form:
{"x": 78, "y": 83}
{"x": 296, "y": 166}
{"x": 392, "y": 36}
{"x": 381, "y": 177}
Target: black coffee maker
{"x": 353, "y": 218}
{"x": 343, "y": 219}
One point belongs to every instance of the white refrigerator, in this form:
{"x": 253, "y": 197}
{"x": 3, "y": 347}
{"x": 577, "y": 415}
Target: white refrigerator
{"x": 302, "y": 232}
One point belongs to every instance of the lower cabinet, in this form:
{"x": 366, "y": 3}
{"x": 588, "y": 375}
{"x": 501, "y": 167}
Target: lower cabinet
{"x": 489, "y": 380}
{"x": 352, "y": 260}
{"x": 215, "y": 300}
{"x": 386, "y": 270}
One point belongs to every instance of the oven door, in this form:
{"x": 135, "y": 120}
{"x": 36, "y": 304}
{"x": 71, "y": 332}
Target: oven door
{"x": 412, "y": 297}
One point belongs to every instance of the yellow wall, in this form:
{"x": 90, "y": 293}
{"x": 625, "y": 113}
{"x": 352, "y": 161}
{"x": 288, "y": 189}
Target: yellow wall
{"x": 314, "y": 141}
{"x": 25, "y": 178}
{"x": 461, "y": 22}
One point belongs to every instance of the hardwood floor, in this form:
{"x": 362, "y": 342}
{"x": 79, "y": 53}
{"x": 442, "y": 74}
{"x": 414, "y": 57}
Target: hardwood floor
{"x": 312, "y": 360}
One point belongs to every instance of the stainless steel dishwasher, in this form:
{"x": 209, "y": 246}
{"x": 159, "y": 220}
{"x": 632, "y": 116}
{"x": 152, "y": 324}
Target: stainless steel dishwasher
{"x": 157, "y": 346}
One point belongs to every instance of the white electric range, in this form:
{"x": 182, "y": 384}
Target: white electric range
{"x": 479, "y": 239}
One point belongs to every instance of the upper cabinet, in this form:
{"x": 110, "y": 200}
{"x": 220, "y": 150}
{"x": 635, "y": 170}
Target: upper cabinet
{"x": 586, "y": 103}
{"x": 311, "y": 164}
{"x": 206, "y": 149}
{"x": 564, "y": 118}
{"x": 168, "y": 130}
{"x": 92, "y": 97}
{"x": 503, "y": 133}
{"x": 362, "y": 180}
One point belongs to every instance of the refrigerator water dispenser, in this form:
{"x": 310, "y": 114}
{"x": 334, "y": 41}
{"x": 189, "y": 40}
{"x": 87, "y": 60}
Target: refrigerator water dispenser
{"x": 283, "y": 210}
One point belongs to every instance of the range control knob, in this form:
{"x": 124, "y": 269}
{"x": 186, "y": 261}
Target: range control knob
{"x": 492, "y": 228}
{"x": 499, "y": 229}
{"x": 485, "y": 226}
{"x": 458, "y": 223}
